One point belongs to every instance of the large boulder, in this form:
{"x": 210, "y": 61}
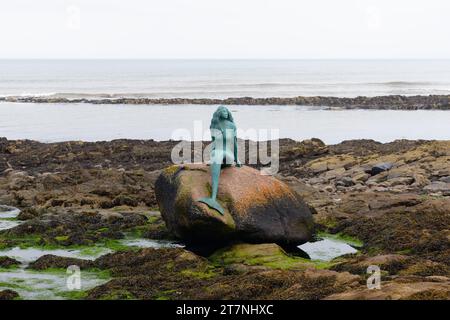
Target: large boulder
{"x": 258, "y": 208}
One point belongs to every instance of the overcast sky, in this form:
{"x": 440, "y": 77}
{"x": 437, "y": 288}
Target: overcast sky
{"x": 225, "y": 29}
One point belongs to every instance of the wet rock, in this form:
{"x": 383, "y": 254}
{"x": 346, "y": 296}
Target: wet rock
{"x": 148, "y": 261}
{"x": 390, "y": 263}
{"x": 345, "y": 182}
{"x": 6, "y": 262}
{"x": 70, "y": 228}
{"x": 121, "y": 200}
{"x": 334, "y": 173}
{"x": 420, "y": 180}
{"x": 396, "y": 102}
{"x": 157, "y": 229}
{"x": 400, "y": 181}
{"x": 51, "y": 261}
{"x": 438, "y": 187}
{"x": 381, "y": 167}
{"x": 398, "y": 222}
{"x": 19, "y": 180}
{"x": 426, "y": 268}
{"x": 396, "y": 290}
{"x": 9, "y": 295}
{"x": 31, "y": 213}
{"x": 305, "y": 148}
{"x": 258, "y": 208}
{"x": 334, "y": 165}
{"x": 360, "y": 177}
{"x": 179, "y": 274}
{"x": 111, "y": 216}
{"x": 318, "y": 167}
{"x": 268, "y": 255}
{"x": 445, "y": 179}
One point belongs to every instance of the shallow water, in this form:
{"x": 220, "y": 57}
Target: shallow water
{"x": 27, "y": 255}
{"x": 8, "y": 224}
{"x": 87, "y": 122}
{"x": 44, "y": 285}
{"x": 40, "y": 284}
{"x": 149, "y": 243}
{"x": 8, "y": 217}
{"x": 48, "y": 284}
{"x": 327, "y": 249}
{"x": 8, "y": 212}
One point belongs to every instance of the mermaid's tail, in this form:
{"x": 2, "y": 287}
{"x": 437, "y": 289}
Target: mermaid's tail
{"x": 213, "y": 204}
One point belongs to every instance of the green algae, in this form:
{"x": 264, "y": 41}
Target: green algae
{"x": 266, "y": 255}
{"x": 208, "y": 273}
{"x": 50, "y": 283}
{"x": 354, "y": 242}
{"x": 73, "y": 294}
{"x": 119, "y": 294}
{"x": 164, "y": 295}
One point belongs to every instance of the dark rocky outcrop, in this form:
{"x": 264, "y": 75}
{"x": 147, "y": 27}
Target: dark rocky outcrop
{"x": 397, "y": 102}
{"x": 8, "y": 295}
{"x": 51, "y": 261}
{"x": 379, "y": 168}
{"x": 7, "y": 262}
{"x": 73, "y": 228}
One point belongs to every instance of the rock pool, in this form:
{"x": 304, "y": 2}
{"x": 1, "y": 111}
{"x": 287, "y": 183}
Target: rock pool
{"x": 8, "y": 217}
{"x": 52, "y": 284}
{"x": 329, "y": 247}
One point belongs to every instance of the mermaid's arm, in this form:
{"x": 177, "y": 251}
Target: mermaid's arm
{"x": 236, "y": 159}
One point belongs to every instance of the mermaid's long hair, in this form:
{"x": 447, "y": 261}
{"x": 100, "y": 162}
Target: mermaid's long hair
{"x": 215, "y": 121}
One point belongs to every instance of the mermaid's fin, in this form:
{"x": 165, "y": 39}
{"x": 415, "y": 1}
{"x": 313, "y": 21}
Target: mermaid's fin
{"x": 213, "y": 204}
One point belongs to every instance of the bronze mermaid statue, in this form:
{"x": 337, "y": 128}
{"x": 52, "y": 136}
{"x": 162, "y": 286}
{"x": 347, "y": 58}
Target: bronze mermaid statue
{"x": 224, "y": 151}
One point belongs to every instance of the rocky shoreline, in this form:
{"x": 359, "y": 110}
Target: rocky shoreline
{"x": 391, "y": 102}
{"x": 392, "y": 197}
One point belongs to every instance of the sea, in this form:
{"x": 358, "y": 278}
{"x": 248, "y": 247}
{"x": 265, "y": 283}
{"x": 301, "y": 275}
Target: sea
{"x": 98, "y": 79}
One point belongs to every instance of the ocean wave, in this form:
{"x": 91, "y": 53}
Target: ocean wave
{"x": 410, "y": 83}
{"x": 25, "y": 95}
{"x": 257, "y": 89}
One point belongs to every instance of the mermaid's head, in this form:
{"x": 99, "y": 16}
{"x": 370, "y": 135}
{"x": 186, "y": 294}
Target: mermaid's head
{"x": 222, "y": 113}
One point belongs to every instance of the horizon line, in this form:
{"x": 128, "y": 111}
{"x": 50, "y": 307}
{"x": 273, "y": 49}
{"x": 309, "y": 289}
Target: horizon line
{"x": 213, "y": 59}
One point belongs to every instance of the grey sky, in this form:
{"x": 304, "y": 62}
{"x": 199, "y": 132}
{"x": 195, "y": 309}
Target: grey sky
{"x": 225, "y": 29}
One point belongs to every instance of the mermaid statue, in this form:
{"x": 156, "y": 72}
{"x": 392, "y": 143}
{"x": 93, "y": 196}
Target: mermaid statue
{"x": 223, "y": 153}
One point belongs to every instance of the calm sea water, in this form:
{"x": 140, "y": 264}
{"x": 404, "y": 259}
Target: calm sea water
{"x": 218, "y": 79}
{"x": 62, "y": 122}
{"x": 223, "y": 78}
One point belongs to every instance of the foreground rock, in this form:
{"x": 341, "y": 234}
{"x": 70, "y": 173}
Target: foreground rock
{"x": 7, "y": 262}
{"x": 398, "y": 290}
{"x": 49, "y": 261}
{"x": 65, "y": 227}
{"x": 8, "y": 295}
{"x": 257, "y": 208}
{"x": 180, "y": 274}
{"x": 73, "y": 193}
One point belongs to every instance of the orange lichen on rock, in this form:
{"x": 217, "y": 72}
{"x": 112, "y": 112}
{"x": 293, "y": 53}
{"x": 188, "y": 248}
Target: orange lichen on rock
{"x": 260, "y": 195}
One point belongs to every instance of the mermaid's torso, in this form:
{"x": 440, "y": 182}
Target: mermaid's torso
{"x": 223, "y": 145}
